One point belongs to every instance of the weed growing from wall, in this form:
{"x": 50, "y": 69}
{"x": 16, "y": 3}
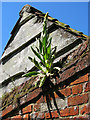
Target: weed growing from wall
{"x": 46, "y": 54}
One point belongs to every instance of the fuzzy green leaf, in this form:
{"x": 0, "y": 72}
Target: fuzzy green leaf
{"x": 42, "y": 81}
{"x": 49, "y": 47}
{"x": 38, "y": 65}
{"x": 31, "y": 74}
{"x": 45, "y": 54}
{"x": 44, "y": 43}
{"x": 37, "y": 54}
{"x": 40, "y": 46}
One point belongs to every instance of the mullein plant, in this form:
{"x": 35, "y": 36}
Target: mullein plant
{"x": 45, "y": 54}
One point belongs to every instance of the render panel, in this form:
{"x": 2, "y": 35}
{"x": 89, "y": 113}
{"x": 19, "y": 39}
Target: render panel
{"x": 20, "y": 62}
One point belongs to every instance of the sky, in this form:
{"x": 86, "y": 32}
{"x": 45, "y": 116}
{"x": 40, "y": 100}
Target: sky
{"x": 75, "y": 14}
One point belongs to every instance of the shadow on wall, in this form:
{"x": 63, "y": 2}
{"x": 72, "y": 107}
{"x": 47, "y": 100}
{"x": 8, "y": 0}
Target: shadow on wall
{"x": 49, "y": 87}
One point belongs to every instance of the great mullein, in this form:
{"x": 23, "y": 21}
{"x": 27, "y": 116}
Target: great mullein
{"x": 45, "y": 54}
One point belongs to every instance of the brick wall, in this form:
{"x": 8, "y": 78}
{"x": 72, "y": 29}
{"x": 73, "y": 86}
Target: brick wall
{"x": 74, "y": 105}
{"x": 63, "y": 99}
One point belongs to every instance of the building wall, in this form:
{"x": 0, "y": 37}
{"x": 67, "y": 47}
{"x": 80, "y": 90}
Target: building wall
{"x": 75, "y": 104}
{"x": 66, "y": 96}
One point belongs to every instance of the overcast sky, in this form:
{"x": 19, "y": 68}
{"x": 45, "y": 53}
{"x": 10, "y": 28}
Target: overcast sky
{"x": 74, "y": 14}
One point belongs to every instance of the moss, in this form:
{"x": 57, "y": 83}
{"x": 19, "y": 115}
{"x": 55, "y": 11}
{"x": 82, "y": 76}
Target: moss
{"x": 4, "y": 103}
{"x": 3, "y": 107}
{"x": 85, "y": 36}
{"x": 60, "y": 23}
{"x": 24, "y": 87}
{"x": 5, "y": 95}
{"x": 10, "y": 98}
{"x": 84, "y": 54}
{"x": 4, "y": 98}
{"x": 67, "y": 27}
{"x": 15, "y": 100}
{"x": 50, "y": 18}
{"x": 79, "y": 32}
{"x": 73, "y": 30}
{"x": 15, "y": 94}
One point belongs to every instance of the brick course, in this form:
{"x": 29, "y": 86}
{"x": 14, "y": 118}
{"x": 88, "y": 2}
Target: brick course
{"x": 77, "y": 89}
{"x": 26, "y": 117}
{"x": 74, "y": 106}
{"x": 27, "y": 109}
{"x": 80, "y": 80}
{"x": 66, "y": 92}
{"x": 19, "y": 117}
{"x": 36, "y": 107}
{"x": 54, "y": 115}
{"x": 79, "y": 99}
{"x": 33, "y": 94}
{"x": 69, "y": 111}
{"x": 7, "y": 110}
{"x": 85, "y": 109}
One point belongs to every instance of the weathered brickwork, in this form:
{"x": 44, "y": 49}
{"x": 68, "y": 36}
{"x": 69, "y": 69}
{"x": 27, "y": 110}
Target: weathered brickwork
{"x": 69, "y": 101}
{"x": 77, "y": 104}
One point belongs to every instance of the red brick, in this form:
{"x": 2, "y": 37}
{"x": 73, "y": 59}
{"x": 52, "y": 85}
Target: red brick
{"x": 80, "y": 80}
{"x": 32, "y": 95}
{"x": 66, "y": 74}
{"x": 26, "y": 117}
{"x": 54, "y": 115}
{"x": 85, "y": 109}
{"x": 47, "y": 115}
{"x": 41, "y": 100}
{"x": 66, "y": 91}
{"x": 7, "y": 110}
{"x": 19, "y": 117}
{"x": 27, "y": 109}
{"x": 76, "y": 100}
{"x": 77, "y": 89}
{"x": 87, "y": 88}
{"x": 36, "y": 107}
{"x": 69, "y": 111}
